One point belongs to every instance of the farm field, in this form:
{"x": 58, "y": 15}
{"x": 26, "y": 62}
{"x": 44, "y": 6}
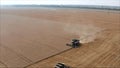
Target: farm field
{"x": 37, "y": 37}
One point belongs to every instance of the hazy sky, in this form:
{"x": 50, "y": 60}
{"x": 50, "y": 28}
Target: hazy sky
{"x": 63, "y": 2}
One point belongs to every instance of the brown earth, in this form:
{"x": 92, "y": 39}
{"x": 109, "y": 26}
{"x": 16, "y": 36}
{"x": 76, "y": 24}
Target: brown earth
{"x": 98, "y": 30}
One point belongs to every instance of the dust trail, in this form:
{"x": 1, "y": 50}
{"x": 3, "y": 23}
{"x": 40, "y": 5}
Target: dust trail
{"x": 87, "y": 33}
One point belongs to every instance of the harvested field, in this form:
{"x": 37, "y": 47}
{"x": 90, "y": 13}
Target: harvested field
{"x": 37, "y": 37}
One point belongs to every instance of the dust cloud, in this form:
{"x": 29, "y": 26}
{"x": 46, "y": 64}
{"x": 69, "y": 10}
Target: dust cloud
{"x": 86, "y": 33}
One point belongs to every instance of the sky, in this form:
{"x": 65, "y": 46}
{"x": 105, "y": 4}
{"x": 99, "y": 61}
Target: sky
{"x": 62, "y": 2}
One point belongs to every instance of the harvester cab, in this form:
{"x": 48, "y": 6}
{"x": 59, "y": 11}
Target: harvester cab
{"x": 61, "y": 65}
{"x": 74, "y": 44}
